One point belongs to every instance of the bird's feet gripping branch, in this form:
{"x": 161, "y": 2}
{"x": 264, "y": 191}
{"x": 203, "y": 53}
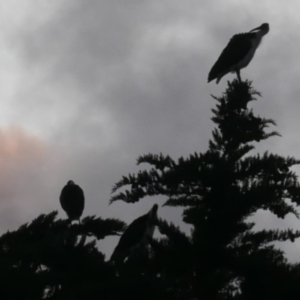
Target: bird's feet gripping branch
{"x": 238, "y": 53}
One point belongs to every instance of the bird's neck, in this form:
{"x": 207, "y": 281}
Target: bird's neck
{"x": 261, "y": 33}
{"x": 258, "y": 37}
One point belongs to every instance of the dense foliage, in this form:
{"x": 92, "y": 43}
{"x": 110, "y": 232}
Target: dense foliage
{"x": 222, "y": 258}
{"x": 219, "y": 190}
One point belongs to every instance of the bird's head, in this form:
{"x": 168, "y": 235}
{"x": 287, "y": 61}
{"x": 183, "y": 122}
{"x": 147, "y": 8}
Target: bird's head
{"x": 152, "y": 214}
{"x": 71, "y": 182}
{"x": 154, "y": 209}
{"x": 264, "y": 28}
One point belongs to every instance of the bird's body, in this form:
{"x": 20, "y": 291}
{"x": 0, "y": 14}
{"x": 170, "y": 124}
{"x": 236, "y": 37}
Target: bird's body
{"x": 72, "y": 200}
{"x": 238, "y": 53}
{"x": 136, "y": 236}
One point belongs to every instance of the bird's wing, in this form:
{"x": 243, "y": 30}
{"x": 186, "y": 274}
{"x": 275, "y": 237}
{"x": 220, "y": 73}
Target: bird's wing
{"x": 235, "y": 51}
{"x": 134, "y": 233}
{"x": 63, "y": 198}
{"x": 80, "y": 200}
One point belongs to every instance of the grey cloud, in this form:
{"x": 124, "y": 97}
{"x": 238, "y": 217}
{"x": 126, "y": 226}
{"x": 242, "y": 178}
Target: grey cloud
{"x": 107, "y": 81}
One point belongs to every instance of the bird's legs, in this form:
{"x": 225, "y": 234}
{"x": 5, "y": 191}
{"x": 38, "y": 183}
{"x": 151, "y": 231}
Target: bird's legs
{"x": 238, "y": 76}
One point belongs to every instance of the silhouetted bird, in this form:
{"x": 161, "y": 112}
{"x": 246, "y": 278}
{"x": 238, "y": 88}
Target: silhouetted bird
{"x": 72, "y": 200}
{"x": 238, "y": 53}
{"x": 136, "y": 236}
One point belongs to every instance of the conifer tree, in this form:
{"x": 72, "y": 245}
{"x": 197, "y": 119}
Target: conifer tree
{"x": 223, "y": 257}
{"x": 51, "y": 259}
{"x": 219, "y": 190}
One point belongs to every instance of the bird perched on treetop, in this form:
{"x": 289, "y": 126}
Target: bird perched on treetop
{"x": 72, "y": 200}
{"x": 136, "y": 236}
{"x": 238, "y": 53}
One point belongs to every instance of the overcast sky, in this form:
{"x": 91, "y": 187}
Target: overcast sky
{"x": 88, "y": 86}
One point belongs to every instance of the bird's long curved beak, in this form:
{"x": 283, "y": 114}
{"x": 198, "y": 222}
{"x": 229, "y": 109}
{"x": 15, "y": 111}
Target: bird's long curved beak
{"x": 259, "y": 27}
